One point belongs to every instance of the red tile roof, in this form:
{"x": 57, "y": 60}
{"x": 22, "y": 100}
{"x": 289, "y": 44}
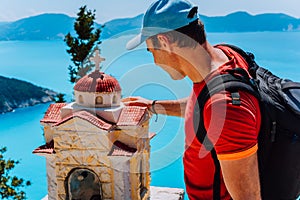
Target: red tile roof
{"x": 53, "y": 113}
{"x": 89, "y": 117}
{"x": 131, "y": 115}
{"x": 121, "y": 149}
{"x": 97, "y": 82}
{"x": 47, "y": 148}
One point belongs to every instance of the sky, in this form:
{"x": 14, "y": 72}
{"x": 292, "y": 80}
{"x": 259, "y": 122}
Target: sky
{"x": 11, "y": 10}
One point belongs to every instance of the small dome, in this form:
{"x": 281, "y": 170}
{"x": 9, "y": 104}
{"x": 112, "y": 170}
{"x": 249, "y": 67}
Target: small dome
{"x": 97, "y": 82}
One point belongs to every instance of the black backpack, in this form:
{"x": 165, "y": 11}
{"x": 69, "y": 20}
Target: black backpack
{"x": 278, "y": 141}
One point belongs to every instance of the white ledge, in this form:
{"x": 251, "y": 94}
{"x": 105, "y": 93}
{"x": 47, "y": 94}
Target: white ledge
{"x": 161, "y": 193}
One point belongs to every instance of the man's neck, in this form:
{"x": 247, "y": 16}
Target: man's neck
{"x": 198, "y": 62}
{"x": 218, "y": 57}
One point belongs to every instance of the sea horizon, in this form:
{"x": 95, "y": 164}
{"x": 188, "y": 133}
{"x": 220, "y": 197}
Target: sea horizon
{"x": 44, "y": 63}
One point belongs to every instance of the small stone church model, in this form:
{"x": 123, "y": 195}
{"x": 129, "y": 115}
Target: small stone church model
{"x": 96, "y": 148}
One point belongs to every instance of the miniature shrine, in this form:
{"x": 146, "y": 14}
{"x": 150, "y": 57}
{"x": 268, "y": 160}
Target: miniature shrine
{"x": 96, "y": 148}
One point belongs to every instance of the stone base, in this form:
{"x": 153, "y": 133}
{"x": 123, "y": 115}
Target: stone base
{"x": 161, "y": 193}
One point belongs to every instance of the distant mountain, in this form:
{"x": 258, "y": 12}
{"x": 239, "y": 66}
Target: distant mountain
{"x": 235, "y": 22}
{"x": 244, "y": 22}
{"x": 118, "y": 26}
{"x": 15, "y": 93}
{"x": 56, "y": 26}
{"x": 40, "y": 27}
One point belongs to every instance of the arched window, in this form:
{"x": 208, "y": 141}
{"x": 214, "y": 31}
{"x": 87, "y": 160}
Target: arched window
{"x": 80, "y": 99}
{"x": 84, "y": 184}
{"x": 114, "y": 100}
{"x": 99, "y": 100}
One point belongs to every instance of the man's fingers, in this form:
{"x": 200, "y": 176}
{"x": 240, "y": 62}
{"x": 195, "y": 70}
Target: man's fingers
{"x": 135, "y": 101}
{"x": 129, "y": 99}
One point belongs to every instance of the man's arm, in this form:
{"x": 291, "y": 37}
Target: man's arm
{"x": 164, "y": 107}
{"x": 242, "y": 177}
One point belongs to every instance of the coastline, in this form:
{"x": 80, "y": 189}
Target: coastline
{"x": 15, "y": 93}
{"x": 29, "y": 103}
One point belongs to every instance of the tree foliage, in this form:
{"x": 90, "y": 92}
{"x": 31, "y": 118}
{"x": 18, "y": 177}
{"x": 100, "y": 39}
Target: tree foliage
{"x": 15, "y": 93}
{"x": 80, "y": 46}
{"x": 10, "y": 186}
{"x": 59, "y": 98}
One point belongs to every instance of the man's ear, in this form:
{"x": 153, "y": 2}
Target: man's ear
{"x": 164, "y": 42}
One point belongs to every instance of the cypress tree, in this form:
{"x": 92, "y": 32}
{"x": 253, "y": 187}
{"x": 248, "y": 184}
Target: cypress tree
{"x": 81, "y": 45}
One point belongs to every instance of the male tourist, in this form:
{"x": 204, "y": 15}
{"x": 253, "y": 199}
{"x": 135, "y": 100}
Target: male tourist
{"x": 176, "y": 38}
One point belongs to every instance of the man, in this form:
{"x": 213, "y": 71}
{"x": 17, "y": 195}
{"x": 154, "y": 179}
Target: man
{"x": 176, "y": 38}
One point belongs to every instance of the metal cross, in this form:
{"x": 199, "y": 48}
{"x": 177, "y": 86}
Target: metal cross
{"x": 97, "y": 59}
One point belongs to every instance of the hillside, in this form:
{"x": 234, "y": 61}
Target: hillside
{"x": 118, "y": 26}
{"x": 40, "y": 27}
{"x": 244, "y": 22}
{"x": 56, "y": 26}
{"x": 235, "y": 22}
{"x": 19, "y": 94}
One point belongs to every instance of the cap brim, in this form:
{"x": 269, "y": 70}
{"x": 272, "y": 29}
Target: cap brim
{"x": 136, "y": 41}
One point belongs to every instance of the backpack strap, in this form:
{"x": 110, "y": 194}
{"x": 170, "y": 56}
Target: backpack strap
{"x": 224, "y": 82}
{"x": 236, "y": 80}
{"x": 227, "y": 82}
{"x": 248, "y": 56}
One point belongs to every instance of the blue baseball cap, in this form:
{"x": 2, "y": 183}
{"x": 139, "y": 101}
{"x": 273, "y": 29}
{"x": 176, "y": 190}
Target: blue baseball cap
{"x": 163, "y": 16}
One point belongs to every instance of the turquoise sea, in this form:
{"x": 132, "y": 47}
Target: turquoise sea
{"x": 45, "y": 63}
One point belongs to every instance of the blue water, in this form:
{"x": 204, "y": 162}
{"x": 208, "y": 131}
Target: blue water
{"x": 45, "y": 63}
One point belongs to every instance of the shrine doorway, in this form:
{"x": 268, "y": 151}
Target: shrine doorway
{"x": 83, "y": 184}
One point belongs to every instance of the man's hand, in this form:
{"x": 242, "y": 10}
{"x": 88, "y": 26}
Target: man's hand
{"x": 164, "y": 107}
{"x": 137, "y": 101}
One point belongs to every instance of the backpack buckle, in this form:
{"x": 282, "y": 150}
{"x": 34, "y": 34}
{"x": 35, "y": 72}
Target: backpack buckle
{"x": 235, "y": 98}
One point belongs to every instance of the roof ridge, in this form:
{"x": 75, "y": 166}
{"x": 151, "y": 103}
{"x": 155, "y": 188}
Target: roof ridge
{"x": 90, "y": 117}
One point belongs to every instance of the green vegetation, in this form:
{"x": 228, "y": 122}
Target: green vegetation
{"x": 81, "y": 45}
{"x": 16, "y": 93}
{"x": 60, "y": 98}
{"x": 10, "y": 186}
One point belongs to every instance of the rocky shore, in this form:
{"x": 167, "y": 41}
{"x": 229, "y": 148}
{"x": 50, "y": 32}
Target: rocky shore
{"x": 15, "y": 94}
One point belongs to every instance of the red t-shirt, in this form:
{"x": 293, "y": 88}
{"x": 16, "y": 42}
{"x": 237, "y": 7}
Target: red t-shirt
{"x": 232, "y": 129}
